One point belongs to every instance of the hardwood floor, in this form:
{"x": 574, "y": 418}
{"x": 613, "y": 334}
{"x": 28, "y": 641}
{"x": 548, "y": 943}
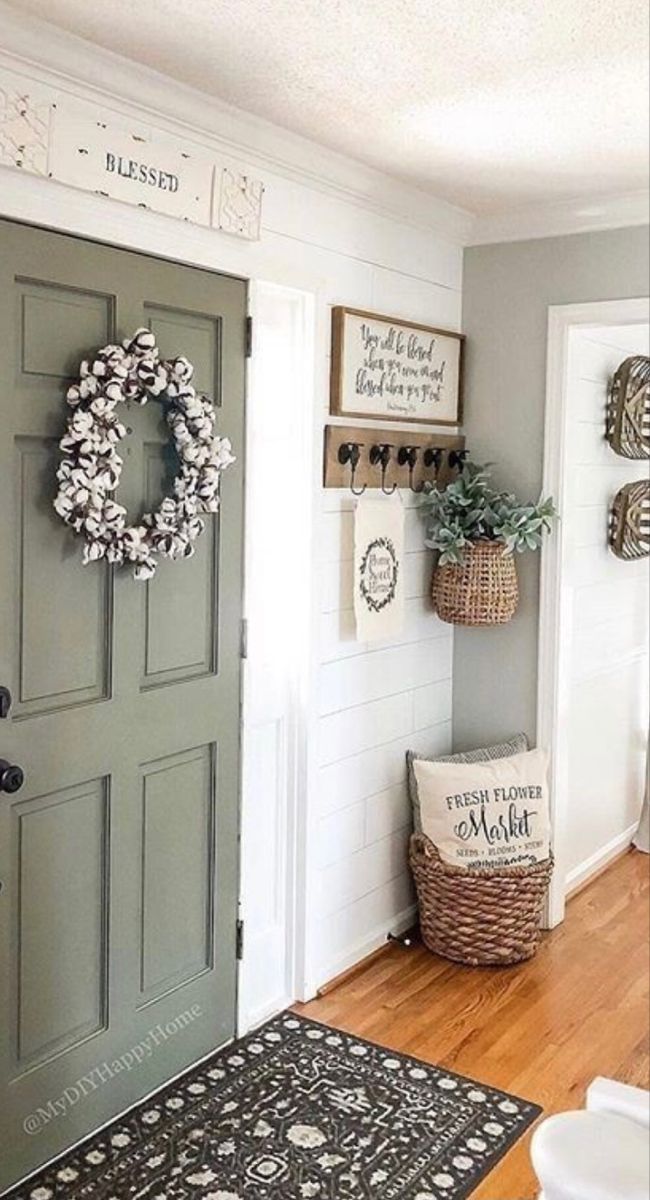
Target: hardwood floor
{"x": 542, "y": 1030}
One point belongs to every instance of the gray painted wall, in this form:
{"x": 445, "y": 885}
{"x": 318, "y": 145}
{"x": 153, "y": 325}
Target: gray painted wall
{"x": 507, "y": 289}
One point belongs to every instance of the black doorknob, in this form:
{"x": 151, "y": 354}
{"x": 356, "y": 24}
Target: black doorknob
{"x": 12, "y": 778}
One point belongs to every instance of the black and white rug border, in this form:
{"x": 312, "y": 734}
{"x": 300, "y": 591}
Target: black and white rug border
{"x": 139, "y": 1141}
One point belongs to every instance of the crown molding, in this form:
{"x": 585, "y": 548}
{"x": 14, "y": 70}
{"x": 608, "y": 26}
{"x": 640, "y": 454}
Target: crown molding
{"x": 585, "y": 215}
{"x": 70, "y": 65}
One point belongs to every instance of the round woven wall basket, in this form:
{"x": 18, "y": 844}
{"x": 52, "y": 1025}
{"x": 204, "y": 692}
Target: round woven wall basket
{"x": 479, "y": 916}
{"x": 482, "y": 590}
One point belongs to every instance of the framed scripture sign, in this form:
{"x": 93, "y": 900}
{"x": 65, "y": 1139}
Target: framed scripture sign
{"x": 393, "y": 370}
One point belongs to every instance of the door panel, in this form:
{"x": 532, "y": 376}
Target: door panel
{"x": 62, "y": 859}
{"x": 177, "y": 839}
{"x": 71, "y": 316}
{"x": 196, "y": 336}
{"x": 118, "y": 857}
{"x": 58, "y": 662}
{"x": 176, "y": 649}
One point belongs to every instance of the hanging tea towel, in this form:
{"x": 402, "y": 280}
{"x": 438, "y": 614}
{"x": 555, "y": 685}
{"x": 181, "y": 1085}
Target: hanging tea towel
{"x": 379, "y": 567}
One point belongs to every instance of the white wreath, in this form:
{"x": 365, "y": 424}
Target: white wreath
{"x": 89, "y": 473}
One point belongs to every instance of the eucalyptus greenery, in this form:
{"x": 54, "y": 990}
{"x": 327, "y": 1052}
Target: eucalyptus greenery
{"x": 471, "y": 510}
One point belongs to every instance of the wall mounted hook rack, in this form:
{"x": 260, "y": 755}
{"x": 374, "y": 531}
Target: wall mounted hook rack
{"x": 358, "y": 457}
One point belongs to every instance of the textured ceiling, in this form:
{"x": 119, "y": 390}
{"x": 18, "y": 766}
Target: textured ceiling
{"x": 491, "y": 104}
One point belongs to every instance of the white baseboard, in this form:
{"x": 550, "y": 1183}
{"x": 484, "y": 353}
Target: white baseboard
{"x": 259, "y": 1016}
{"x": 581, "y": 874}
{"x": 365, "y": 948}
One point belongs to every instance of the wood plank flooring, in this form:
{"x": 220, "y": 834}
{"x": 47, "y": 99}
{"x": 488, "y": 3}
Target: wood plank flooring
{"x": 542, "y": 1030}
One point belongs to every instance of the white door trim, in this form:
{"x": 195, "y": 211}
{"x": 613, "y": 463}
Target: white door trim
{"x": 276, "y": 672}
{"x": 50, "y": 205}
{"x": 554, "y": 614}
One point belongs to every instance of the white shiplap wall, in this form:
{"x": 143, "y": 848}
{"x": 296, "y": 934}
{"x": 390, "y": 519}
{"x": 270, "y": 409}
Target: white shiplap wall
{"x": 607, "y": 701}
{"x": 375, "y": 701}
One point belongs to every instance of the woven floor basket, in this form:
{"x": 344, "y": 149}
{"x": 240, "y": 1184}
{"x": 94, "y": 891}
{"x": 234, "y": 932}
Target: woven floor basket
{"x": 483, "y": 590}
{"x": 478, "y": 916}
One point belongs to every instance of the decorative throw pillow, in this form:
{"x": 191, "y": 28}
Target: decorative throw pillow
{"x": 491, "y": 814}
{"x": 516, "y": 745}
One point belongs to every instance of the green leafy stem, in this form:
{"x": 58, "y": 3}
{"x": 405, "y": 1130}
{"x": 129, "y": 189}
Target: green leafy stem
{"x": 471, "y": 510}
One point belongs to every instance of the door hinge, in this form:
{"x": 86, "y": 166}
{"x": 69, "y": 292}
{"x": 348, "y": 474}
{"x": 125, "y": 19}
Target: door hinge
{"x": 249, "y": 337}
{"x": 240, "y": 941}
{"x": 243, "y": 638}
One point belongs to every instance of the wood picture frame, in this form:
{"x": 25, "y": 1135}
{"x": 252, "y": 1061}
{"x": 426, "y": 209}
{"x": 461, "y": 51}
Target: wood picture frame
{"x": 383, "y": 368}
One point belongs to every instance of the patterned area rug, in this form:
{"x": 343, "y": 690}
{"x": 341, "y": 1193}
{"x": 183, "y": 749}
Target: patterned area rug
{"x": 297, "y": 1111}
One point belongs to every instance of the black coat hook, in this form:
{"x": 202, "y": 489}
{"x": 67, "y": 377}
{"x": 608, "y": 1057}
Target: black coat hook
{"x": 380, "y": 455}
{"x": 433, "y": 458}
{"x": 457, "y": 459}
{"x": 349, "y": 454}
{"x": 408, "y": 456}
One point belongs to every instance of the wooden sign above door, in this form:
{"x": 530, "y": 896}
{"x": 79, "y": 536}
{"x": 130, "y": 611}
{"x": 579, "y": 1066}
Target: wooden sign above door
{"x": 81, "y": 144}
{"x": 99, "y": 156}
{"x": 24, "y": 130}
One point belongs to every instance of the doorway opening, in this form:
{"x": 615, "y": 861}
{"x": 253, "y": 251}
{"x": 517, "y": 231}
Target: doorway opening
{"x": 272, "y": 719}
{"x": 593, "y": 644}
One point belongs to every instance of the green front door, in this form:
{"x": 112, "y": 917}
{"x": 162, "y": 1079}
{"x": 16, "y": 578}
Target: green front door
{"x": 118, "y": 856}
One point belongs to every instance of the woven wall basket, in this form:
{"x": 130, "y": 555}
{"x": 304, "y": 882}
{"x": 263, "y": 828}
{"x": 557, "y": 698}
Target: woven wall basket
{"x": 628, "y": 408}
{"x": 629, "y": 521}
{"x": 483, "y": 590}
{"x": 479, "y": 916}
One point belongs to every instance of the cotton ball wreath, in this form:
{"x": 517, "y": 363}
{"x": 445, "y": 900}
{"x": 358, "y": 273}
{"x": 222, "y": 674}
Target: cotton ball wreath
{"x": 90, "y": 469}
